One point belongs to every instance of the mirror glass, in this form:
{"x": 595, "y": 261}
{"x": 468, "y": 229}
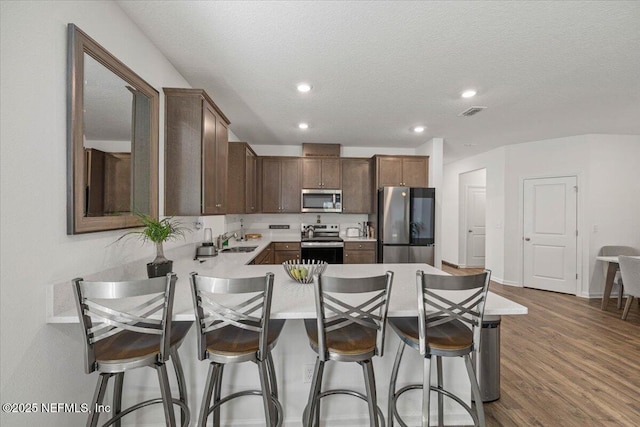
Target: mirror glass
{"x": 113, "y": 140}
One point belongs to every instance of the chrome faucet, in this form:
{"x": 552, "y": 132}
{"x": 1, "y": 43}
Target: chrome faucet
{"x": 224, "y": 238}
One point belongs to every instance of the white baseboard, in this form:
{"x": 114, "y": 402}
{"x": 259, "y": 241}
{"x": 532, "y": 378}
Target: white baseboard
{"x": 614, "y": 295}
{"x": 501, "y": 281}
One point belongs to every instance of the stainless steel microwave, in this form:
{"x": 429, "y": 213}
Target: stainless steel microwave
{"x": 321, "y": 200}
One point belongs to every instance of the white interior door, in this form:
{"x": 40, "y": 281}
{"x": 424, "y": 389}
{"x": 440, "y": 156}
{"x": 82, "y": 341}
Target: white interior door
{"x": 476, "y": 233}
{"x": 550, "y": 234}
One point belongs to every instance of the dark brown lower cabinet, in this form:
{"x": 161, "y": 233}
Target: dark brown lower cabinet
{"x": 264, "y": 257}
{"x": 285, "y": 251}
{"x": 359, "y": 253}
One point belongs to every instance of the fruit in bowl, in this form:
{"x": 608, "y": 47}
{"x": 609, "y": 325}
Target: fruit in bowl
{"x": 302, "y": 271}
{"x": 299, "y": 273}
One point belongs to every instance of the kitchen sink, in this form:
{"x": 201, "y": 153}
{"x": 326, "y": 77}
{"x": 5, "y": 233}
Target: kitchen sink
{"x": 239, "y": 249}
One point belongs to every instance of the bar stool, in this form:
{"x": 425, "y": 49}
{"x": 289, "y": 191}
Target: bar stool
{"x": 120, "y": 335}
{"x": 350, "y": 327}
{"x": 443, "y": 328}
{"x": 234, "y": 327}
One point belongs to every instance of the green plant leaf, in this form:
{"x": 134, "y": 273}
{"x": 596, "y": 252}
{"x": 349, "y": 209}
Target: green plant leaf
{"x": 156, "y": 230}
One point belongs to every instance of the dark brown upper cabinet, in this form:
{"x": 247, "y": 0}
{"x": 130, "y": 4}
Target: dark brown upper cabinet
{"x": 356, "y": 185}
{"x": 196, "y": 154}
{"x": 281, "y": 178}
{"x": 242, "y": 182}
{"x": 321, "y": 173}
{"x": 405, "y": 171}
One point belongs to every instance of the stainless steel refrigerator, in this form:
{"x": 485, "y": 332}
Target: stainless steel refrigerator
{"x": 406, "y": 223}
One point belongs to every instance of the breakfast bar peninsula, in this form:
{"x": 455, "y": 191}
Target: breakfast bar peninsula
{"x": 292, "y": 355}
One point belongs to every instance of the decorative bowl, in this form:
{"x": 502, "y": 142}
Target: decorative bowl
{"x": 302, "y": 271}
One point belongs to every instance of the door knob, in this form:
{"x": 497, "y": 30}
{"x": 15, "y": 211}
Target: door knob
{"x": 527, "y": 239}
{"x": 470, "y": 231}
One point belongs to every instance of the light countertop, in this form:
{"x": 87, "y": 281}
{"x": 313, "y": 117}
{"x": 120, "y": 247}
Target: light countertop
{"x": 291, "y": 300}
{"x": 358, "y": 239}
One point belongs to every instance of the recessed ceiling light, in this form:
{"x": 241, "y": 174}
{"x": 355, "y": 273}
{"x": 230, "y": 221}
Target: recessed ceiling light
{"x": 469, "y": 93}
{"x": 419, "y": 129}
{"x": 303, "y": 125}
{"x": 304, "y": 87}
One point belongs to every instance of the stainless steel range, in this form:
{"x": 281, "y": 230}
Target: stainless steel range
{"x": 321, "y": 242}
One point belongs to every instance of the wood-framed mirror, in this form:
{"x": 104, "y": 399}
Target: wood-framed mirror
{"x": 112, "y": 150}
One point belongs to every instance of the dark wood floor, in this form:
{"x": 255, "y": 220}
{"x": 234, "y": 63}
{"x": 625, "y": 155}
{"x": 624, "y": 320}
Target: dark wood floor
{"x": 566, "y": 363}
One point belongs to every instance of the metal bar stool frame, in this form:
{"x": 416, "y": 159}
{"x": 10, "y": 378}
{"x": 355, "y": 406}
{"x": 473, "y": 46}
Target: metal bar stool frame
{"x": 99, "y": 321}
{"x": 467, "y": 313}
{"x": 334, "y": 314}
{"x": 237, "y": 315}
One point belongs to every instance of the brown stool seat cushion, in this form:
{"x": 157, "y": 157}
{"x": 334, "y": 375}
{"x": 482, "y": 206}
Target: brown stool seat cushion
{"x": 453, "y": 335}
{"x": 234, "y": 341}
{"x": 127, "y": 345}
{"x": 350, "y": 340}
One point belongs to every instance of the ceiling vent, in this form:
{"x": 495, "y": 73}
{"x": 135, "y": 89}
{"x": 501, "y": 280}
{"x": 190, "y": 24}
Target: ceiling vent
{"x": 471, "y": 111}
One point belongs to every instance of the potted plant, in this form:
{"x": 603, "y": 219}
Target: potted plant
{"x": 158, "y": 231}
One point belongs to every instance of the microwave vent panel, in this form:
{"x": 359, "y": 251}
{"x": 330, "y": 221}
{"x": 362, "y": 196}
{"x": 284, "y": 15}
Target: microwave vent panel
{"x": 320, "y": 150}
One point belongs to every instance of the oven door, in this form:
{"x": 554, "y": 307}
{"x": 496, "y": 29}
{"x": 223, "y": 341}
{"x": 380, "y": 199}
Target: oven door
{"x": 317, "y": 251}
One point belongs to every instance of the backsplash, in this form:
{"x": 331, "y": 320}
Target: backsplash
{"x": 257, "y": 222}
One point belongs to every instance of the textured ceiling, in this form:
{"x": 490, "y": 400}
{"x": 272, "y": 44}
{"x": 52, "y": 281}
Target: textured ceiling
{"x": 543, "y": 69}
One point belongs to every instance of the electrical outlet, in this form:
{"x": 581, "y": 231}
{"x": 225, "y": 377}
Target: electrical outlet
{"x": 307, "y": 373}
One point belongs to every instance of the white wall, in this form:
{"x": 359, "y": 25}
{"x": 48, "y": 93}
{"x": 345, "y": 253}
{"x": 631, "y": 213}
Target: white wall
{"x": 555, "y": 157}
{"x": 609, "y": 198}
{"x": 494, "y": 163}
{"x": 613, "y": 199}
{"x": 434, "y": 148}
{"x": 109, "y": 146}
{"x": 41, "y": 362}
{"x": 609, "y": 194}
